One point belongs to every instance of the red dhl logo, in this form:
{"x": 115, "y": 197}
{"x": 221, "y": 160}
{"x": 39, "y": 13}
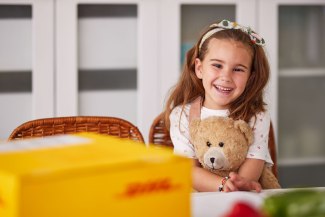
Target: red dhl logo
{"x": 153, "y": 186}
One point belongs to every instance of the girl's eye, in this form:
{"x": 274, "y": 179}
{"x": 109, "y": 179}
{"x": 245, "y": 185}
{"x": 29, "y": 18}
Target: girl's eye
{"x": 238, "y": 70}
{"x": 208, "y": 144}
{"x": 219, "y": 66}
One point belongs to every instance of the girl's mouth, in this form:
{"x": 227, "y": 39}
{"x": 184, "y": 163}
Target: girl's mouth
{"x": 223, "y": 89}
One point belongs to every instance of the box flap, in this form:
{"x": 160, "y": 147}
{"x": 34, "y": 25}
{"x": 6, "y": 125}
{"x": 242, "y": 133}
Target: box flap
{"x": 60, "y": 154}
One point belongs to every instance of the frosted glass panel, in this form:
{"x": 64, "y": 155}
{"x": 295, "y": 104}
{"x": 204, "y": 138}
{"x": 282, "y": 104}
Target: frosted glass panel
{"x": 301, "y": 82}
{"x": 16, "y": 108}
{"x": 15, "y": 52}
{"x": 107, "y": 44}
{"x": 301, "y": 36}
{"x": 195, "y": 18}
{"x": 301, "y": 119}
{"x": 15, "y": 66}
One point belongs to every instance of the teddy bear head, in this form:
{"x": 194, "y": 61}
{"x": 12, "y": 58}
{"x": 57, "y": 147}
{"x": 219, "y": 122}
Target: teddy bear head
{"x": 221, "y": 143}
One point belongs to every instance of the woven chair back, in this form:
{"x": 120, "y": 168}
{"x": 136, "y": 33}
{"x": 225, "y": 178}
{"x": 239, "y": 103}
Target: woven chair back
{"x": 68, "y": 125}
{"x": 159, "y": 135}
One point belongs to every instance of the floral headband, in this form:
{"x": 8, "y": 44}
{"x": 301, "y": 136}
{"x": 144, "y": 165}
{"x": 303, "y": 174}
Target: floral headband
{"x": 226, "y": 24}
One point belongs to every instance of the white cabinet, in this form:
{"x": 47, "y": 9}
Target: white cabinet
{"x": 107, "y": 59}
{"x": 82, "y": 58}
{"x": 26, "y": 62}
{"x": 297, "y": 44}
{"x": 295, "y": 33}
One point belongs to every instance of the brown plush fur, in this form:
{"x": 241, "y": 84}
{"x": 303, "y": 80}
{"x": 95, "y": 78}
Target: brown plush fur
{"x": 221, "y": 145}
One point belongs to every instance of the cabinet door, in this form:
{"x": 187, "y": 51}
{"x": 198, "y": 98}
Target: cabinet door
{"x": 107, "y": 59}
{"x": 295, "y": 35}
{"x": 183, "y": 21}
{"x": 26, "y": 62}
{"x": 107, "y": 63}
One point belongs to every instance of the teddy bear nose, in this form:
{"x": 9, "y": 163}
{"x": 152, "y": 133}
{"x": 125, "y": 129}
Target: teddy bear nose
{"x": 212, "y": 159}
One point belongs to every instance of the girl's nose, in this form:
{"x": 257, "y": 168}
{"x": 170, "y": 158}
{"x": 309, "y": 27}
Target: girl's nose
{"x": 225, "y": 75}
{"x": 225, "y": 79}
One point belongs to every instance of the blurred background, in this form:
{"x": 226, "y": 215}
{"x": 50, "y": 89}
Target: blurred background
{"x": 120, "y": 58}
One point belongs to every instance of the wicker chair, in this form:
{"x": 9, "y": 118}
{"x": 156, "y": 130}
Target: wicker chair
{"x": 159, "y": 135}
{"x": 68, "y": 125}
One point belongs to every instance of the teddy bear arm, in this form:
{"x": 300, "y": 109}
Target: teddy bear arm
{"x": 268, "y": 179}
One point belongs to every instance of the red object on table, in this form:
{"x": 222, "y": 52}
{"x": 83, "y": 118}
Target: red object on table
{"x": 243, "y": 209}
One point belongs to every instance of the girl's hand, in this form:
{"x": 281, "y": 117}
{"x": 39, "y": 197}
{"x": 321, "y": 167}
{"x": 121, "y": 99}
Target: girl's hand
{"x": 238, "y": 183}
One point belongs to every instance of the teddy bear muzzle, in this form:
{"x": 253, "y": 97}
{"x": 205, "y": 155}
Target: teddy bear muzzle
{"x": 215, "y": 159}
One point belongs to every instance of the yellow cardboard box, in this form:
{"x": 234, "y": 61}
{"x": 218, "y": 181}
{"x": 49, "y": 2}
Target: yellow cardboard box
{"x": 91, "y": 175}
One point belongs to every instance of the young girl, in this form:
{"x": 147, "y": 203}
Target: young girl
{"x": 225, "y": 74}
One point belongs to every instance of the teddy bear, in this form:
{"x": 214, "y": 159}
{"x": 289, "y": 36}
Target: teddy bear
{"x": 221, "y": 145}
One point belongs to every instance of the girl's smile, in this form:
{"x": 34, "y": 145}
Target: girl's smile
{"x": 224, "y": 72}
{"x": 223, "y": 90}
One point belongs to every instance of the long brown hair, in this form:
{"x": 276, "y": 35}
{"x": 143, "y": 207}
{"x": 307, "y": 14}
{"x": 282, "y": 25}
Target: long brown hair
{"x": 189, "y": 86}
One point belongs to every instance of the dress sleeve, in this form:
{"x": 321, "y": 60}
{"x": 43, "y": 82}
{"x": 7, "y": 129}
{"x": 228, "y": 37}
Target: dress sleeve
{"x": 259, "y": 149}
{"x": 179, "y": 132}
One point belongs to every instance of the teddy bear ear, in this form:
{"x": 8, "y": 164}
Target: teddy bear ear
{"x": 245, "y": 129}
{"x": 194, "y": 127}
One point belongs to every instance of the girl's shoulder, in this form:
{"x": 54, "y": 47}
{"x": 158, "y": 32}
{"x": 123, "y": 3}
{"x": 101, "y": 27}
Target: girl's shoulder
{"x": 180, "y": 112}
{"x": 260, "y": 119}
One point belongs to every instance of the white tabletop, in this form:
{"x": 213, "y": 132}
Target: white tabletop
{"x": 217, "y": 204}
{"x": 214, "y": 204}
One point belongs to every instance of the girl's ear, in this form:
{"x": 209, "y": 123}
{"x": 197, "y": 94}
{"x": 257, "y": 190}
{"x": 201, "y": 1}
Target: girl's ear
{"x": 198, "y": 68}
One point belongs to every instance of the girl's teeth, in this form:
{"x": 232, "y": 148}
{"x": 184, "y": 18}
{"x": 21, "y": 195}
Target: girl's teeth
{"x": 223, "y": 88}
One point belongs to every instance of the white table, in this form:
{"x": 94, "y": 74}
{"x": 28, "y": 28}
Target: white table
{"x": 216, "y": 204}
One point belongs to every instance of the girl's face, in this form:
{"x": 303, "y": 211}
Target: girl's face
{"x": 224, "y": 71}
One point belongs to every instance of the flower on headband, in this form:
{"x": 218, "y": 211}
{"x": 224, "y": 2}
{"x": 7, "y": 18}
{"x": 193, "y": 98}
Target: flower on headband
{"x": 257, "y": 39}
{"x": 226, "y": 24}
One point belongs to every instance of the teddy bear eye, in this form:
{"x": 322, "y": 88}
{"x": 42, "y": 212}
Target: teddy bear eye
{"x": 208, "y": 144}
{"x": 221, "y": 144}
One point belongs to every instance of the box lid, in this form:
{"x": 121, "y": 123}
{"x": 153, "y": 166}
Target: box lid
{"x": 61, "y": 154}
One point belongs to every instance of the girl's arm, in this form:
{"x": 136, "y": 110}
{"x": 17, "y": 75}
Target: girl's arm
{"x": 204, "y": 180}
{"x": 247, "y": 177}
{"x": 251, "y": 169}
